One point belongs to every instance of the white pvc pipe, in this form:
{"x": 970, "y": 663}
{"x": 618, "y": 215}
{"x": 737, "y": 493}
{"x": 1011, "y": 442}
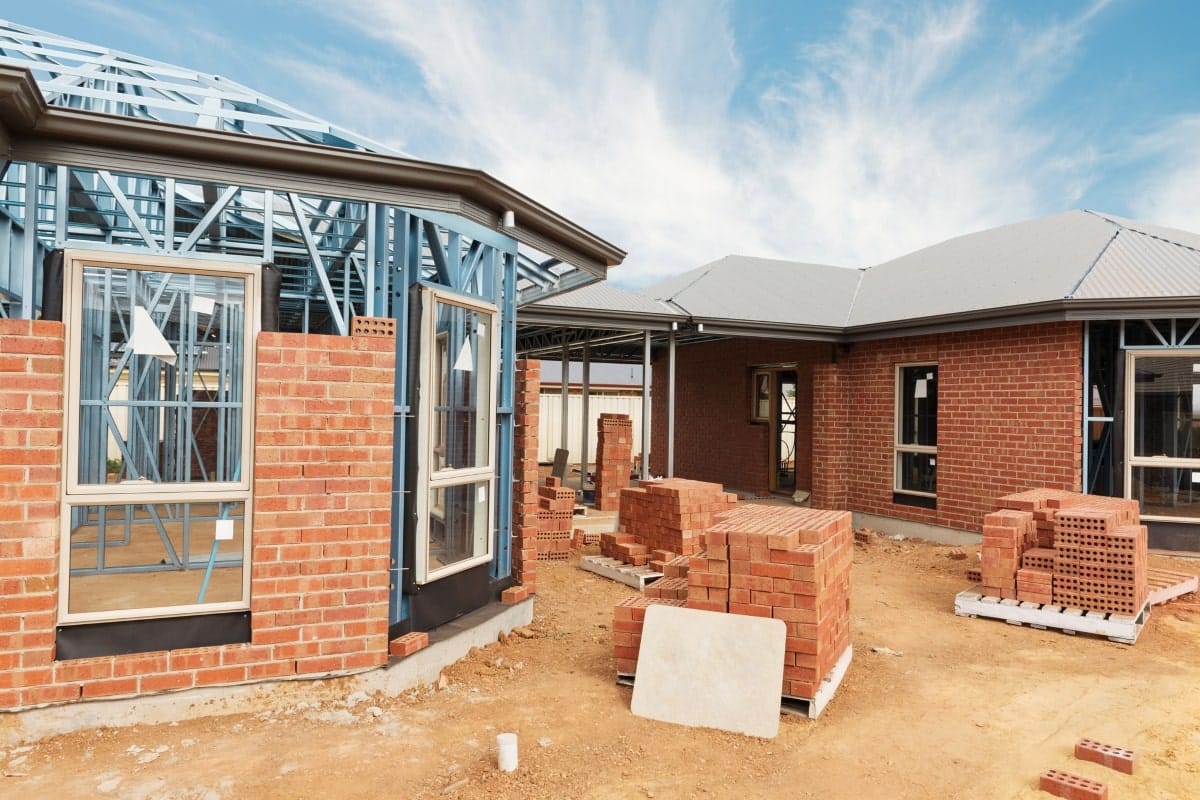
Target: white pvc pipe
{"x": 506, "y": 752}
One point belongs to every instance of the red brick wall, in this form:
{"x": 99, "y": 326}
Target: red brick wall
{"x": 321, "y": 522}
{"x": 525, "y": 473}
{"x": 31, "y": 398}
{"x": 715, "y": 440}
{"x": 831, "y": 436}
{"x": 1009, "y": 418}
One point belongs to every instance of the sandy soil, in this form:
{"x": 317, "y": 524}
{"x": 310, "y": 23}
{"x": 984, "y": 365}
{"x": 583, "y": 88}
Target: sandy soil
{"x": 967, "y": 709}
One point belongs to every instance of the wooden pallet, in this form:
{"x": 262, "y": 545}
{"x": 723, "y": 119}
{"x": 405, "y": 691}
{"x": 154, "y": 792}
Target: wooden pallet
{"x": 796, "y": 706}
{"x": 1114, "y": 627}
{"x": 1166, "y": 585}
{"x": 637, "y": 577}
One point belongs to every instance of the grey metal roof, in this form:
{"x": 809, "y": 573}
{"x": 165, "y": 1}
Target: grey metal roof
{"x": 1075, "y": 262}
{"x": 1029, "y": 262}
{"x": 607, "y": 297}
{"x": 1144, "y": 262}
{"x": 743, "y": 288}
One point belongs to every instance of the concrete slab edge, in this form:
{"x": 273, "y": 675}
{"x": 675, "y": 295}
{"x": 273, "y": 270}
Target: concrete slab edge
{"x": 422, "y": 667}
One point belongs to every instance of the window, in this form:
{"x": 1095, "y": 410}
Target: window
{"x": 455, "y": 506}
{"x": 916, "y": 431}
{"x": 157, "y": 489}
{"x": 760, "y": 402}
{"x": 1163, "y": 436}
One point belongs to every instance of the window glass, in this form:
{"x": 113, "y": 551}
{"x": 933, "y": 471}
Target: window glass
{"x": 1167, "y": 405}
{"x": 459, "y": 526}
{"x": 154, "y": 555}
{"x": 918, "y": 405}
{"x": 916, "y": 472}
{"x": 160, "y": 377}
{"x": 762, "y": 395}
{"x": 462, "y": 383}
{"x": 1167, "y": 491}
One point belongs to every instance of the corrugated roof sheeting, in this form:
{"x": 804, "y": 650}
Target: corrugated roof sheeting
{"x": 1138, "y": 265}
{"x": 606, "y": 297}
{"x": 1027, "y": 262}
{"x": 762, "y": 290}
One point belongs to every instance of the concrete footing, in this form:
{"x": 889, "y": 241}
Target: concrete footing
{"x": 447, "y": 645}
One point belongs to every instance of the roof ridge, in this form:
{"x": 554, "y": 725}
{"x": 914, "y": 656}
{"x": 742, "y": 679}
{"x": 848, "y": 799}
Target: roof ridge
{"x": 1092, "y": 266}
{"x": 1131, "y": 229}
{"x": 862, "y": 272}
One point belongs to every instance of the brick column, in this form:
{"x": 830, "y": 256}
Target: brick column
{"x": 614, "y": 459}
{"x": 323, "y": 475}
{"x": 525, "y": 475}
{"x": 31, "y": 417}
{"x": 831, "y": 436}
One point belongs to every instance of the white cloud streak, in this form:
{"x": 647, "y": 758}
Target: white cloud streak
{"x": 912, "y": 125}
{"x": 1167, "y": 192}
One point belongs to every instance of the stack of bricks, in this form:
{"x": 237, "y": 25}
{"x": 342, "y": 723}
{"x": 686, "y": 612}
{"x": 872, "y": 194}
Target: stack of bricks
{"x": 672, "y": 514}
{"x": 556, "y": 509}
{"x": 1100, "y": 560}
{"x": 791, "y": 564}
{"x": 525, "y": 473}
{"x": 624, "y": 547}
{"x": 1086, "y": 551}
{"x": 1007, "y": 534}
{"x": 629, "y": 617}
{"x": 614, "y": 459}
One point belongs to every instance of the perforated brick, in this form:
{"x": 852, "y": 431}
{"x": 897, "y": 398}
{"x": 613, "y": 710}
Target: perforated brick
{"x": 1118, "y": 758}
{"x": 1072, "y": 787}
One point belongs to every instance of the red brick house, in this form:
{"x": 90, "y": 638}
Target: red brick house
{"x": 1061, "y": 352}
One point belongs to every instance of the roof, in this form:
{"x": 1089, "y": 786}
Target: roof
{"x": 744, "y": 288}
{"x": 1068, "y": 265}
{"x": 608, "y": 297}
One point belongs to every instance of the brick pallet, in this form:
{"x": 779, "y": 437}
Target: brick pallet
{"x": 791, "y": 564}
{"x": 1063, "y": 560}
{"x": 614, "y": 459}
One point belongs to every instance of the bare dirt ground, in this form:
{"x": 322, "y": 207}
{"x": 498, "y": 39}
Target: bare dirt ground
{"x": 966, "y": 709}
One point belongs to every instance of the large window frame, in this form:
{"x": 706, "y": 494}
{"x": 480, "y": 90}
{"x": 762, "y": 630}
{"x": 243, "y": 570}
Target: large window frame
{"x": 1181, "y": 466}
{"x": 431, "y": 436}
{"x": 76, "y": 493}
{"x": 902, "y": 448}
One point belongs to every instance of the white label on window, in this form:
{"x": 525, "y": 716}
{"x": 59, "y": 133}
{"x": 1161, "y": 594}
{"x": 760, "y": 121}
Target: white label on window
{"x": 920, "y": 389}
{"x": 463, "y": 362}
{"x": 481, "y": 330}
{"x": 481, "y": 494}
{"x": 147, "y": 340}
{"x": 203, "y": 305}
{"x": 933, "y": 462}
{"x": 1195, "y": 367}
{"x": 1196, "y": 477}
{"x": 224, "y": 530}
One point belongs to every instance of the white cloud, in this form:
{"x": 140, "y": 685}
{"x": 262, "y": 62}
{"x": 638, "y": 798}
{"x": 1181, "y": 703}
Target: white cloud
{"x": 1167, "y": 193}
{"x": 910, "y": 126}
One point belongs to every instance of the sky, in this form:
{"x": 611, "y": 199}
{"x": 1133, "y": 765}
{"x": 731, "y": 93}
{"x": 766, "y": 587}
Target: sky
{"x": 844, "y": 133}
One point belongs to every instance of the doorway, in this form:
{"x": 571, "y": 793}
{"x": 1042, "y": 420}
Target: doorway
{"x": 783, "y": 432}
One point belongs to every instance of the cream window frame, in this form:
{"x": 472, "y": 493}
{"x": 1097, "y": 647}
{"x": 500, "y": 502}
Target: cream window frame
{"x": 76, "y": 494}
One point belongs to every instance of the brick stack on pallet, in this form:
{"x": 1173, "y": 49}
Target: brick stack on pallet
{"x": 614, "y": 459}
{"x": 1085, "y": 551}
{"x": 792, "y": 564}
{"x": 556, "y": 509}
{"x": 672, "y": 514}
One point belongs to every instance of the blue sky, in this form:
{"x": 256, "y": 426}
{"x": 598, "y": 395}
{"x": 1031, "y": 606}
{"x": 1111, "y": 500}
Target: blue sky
{"x": 828, "y": 132}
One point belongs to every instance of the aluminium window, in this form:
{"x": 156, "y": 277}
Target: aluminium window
{"x": 456, "y": 478}
{"x": 159, "y": 429}
{"x": 916, "y": 430}
{"x": 1162, "y": 434}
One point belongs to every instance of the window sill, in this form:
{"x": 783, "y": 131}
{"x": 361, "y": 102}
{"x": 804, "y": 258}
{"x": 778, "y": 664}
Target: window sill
{"x": 914, "y": 500}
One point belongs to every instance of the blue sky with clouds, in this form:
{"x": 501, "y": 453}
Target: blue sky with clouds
{"x": 843, "y": 133}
